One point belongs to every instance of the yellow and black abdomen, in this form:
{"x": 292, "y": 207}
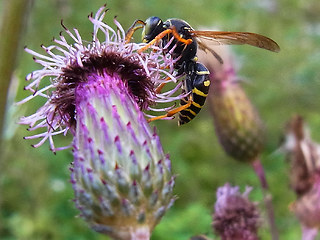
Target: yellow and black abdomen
{"x": 198, "y": 83}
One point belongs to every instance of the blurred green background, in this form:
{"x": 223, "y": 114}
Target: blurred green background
{"x": 36, "y": 196}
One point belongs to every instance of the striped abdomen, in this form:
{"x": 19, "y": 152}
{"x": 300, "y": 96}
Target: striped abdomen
{"x": 199, "y": 84}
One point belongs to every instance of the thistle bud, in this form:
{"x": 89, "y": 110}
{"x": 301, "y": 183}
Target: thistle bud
{"x": 121, "y": 177}
{"x": 237, "y": 122}
{"x": 235, "y": 217}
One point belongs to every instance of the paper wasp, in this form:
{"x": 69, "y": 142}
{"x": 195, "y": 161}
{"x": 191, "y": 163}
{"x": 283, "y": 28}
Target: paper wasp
{"x": 186, "y": 43}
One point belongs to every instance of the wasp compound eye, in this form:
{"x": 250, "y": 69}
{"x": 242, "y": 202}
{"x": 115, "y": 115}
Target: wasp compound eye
{"x": 153, "y": 27}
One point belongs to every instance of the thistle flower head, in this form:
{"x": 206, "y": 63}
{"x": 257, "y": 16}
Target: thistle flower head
{"x": 121, "y": 177}
{"x": 69, "y": 64}
{"x": 235, "y": 217}
{"x": 237, "y": 122}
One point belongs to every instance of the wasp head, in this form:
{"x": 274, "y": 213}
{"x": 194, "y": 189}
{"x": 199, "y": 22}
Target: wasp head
{"x": 153, "y": 26}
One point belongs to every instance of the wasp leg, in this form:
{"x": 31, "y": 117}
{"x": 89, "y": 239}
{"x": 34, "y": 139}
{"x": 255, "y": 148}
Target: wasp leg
{"x": 161, "y": 35}
{"x": 173, "y": 111}
{"x": 133, "y": 28}
{"x": 160, "y": 87}
{"x": 179, "y": 38}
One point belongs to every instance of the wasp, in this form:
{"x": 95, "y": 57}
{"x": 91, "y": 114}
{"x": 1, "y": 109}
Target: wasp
{"x": 185, "y": 46}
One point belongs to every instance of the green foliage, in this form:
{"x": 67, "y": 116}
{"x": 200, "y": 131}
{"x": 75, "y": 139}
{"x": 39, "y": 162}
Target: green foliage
{"x": 35, "y": 197}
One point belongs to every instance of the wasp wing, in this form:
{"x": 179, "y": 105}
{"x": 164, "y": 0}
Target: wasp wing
{"x": 237, "y": 38}
{"x": 204, "y": 47}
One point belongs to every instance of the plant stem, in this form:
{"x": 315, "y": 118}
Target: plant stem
{"x": 14, "y": 14}
{"x": 258, "y": 168}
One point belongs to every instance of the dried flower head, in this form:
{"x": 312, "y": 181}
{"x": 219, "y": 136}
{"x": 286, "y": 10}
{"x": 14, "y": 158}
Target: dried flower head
{"x": 304, "y": 158}
{"x": 307, "y": 207}
{"x": 68, "y": 65}
{"x": 235, "y": 217}
{"x": 302, "y": 153}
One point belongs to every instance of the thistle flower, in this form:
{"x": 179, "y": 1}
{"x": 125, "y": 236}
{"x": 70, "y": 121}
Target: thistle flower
{"x": 69, "y": 65}
{"x": 235, "y": 217}
{"x": 237, "y": 122}
{"x": 121, "y": 177}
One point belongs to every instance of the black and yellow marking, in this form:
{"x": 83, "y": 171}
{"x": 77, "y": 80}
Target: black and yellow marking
{"x": 200, "y": 84}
